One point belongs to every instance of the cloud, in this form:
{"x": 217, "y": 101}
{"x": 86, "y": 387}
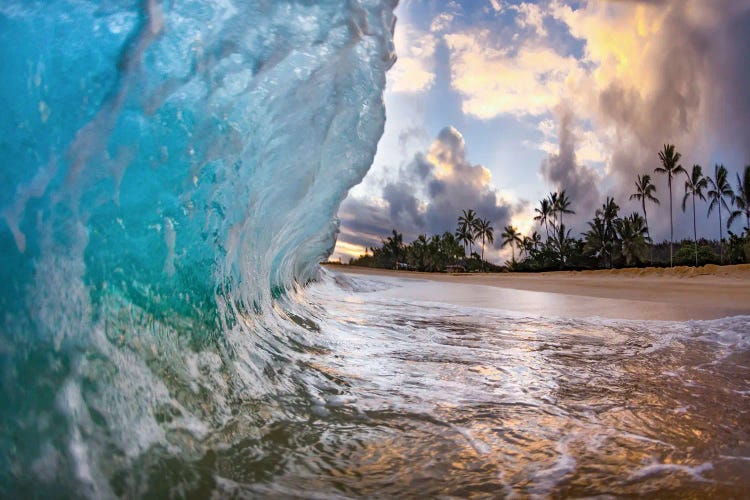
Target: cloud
{"x": 441, "y": 22}
{"x": 670, "y": 71}
{"x": 427, "y": 196}
{"x": 563, "y": 171}
{"x": 647, "y": 73}
{"x": 497, "y": 5}
{"x": 530, "y": 15}
{"x": 414, "y": 69}
{"x": 493, "y": 81}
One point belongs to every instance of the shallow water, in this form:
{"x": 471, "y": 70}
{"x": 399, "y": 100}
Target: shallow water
{"x": 436, "y": 399}
{"x": 369, "y": 395}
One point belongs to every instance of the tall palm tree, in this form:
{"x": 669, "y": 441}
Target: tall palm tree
{"x": 464, "y": 236}
{"x": 536, "y": 240}
{"x": 633, "y": 237}
{"x": 719, "y": 190}
{"x": 670, "y": 166}
{"x": 544, "y": 212}
{"x": 467, "y": 221}
{"x": 553, "y": 207}
{"x": 511, "y": 237}
{"x": 563, "y": 205}
{"x": 596, "y": 239}
{"x": 487, "y": 232}
{"x": 644, "y": 191}
{"x": 608, "y": 214}
{"x": 394, "y": 245}
{"x": 694, "y": 186}
{"x": 742, "y": 199}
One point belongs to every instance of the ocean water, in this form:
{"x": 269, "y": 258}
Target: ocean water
{"x": 169, "y": 181}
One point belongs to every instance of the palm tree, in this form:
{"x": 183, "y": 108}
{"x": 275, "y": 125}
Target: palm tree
{"x": 644, "y": 191}
{"x": 596, "y": 238}
{"x": 511, "y": 237}
{"x": 670, "y": 166}
{"x": 487, "y": 232}
{"x": 468, "y": 222}
{"x": 694, "y": 186}
{"x": 562, "y": 243}
{"x": 742, "y": 199}
{"x": 544, "y": 212}
{"x": 464, "y": 236}
{"x": 608, "y": 214}
{"x": 553, "y": 207}
{"x": 719, "y": 188}
{"x": 394, "y": 245}
{"x": 563, "y": 205}
{"x": 536, "y": 240}
{"x": 633, "y": 237}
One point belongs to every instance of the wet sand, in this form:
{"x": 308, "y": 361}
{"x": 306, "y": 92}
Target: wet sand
{"x": 677, "y": 294}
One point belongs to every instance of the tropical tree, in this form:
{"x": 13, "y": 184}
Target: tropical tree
{"x": 467, "y": 223}
{"x": 694, "y": 186}
{"x": 644, "y": 191}
{"x": 718, "y": 193}
{"x": 563, "y": 205}
{"x": 511, "y": 237}
{"x": 608, "y": 214}
{"x": 394, "y": 247}
{"x": 742, "y": 199}
{"x": 633, "y": 237}
{"x": 596, "y": 239}
{"x": 451, "y": 247}
{"x": 536, "y": 240}
{"x": 544, "y": 213}
{"x": 670, "y": 166}
{"x": 562, "y": 243}
{"x": 465, "y": 236}
{"x": 553, "y": 207}
{"x": 486, "y": 232}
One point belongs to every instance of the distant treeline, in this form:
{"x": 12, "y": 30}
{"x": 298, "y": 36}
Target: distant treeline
{"x": 610, "y": 241}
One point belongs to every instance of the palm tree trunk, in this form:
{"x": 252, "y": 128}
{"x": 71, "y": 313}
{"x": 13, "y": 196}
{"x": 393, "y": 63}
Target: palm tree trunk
{"x": 695, "y": 233}
{"x": 648, "y": 231}
{"x": 721, "y": 237}
{"x": 482, "y": 252}
{"x": 671, "y": 226}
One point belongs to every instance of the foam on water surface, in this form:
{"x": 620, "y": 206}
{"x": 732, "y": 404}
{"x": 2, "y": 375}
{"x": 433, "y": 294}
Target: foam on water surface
{"x": 170, "y": 176}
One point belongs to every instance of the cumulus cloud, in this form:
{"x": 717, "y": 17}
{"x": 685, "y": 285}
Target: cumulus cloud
{"x": 414, "y": 70}
{"x": 650, "y": 72}
{"x": 427, "y": 195}
{"x": 527, "y": 80}
{"x": 530, "y": 15}
{"x": 563, "y": 171}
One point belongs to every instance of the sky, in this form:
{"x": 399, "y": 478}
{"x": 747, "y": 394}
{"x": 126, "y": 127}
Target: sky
{"x": 493, "y": 104}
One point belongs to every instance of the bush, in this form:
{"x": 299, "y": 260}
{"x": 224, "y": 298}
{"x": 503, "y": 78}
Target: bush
{"x": 685, "y": 256}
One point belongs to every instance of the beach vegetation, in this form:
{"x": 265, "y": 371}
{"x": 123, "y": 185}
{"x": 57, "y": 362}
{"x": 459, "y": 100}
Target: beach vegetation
{"x": 695, "y": 184}
{"x": 610, "y": 240}
{"x": 670, "y": 166}
{"x": 719, "y": 193}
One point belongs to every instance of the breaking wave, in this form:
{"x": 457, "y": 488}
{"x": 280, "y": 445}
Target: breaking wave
{"x": 170, "y": 170}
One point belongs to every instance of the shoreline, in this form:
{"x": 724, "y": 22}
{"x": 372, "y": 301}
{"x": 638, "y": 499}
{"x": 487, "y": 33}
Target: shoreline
{"x": 676, "y": 294}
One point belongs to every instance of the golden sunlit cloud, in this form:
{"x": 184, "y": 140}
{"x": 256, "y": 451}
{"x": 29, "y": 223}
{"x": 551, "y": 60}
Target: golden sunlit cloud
{"x": 414, "y": 69}
{"x": 493, "y": 81}
{"x": 345, "y": 250}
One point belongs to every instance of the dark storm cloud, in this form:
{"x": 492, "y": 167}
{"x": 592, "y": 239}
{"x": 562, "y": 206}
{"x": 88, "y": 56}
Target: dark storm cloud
{"x": 562, "y": 171}
{"x": 701, "y": 96}
{"x": 429, "y": 195}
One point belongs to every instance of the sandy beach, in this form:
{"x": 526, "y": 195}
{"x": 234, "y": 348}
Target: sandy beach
{"x": 677, "y": 294}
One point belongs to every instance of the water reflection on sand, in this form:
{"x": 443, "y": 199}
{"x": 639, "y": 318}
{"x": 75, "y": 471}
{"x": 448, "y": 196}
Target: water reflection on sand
{"x": 432, "y": 399}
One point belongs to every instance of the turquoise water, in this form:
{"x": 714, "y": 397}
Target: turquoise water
{"x": 170, "y": 176}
